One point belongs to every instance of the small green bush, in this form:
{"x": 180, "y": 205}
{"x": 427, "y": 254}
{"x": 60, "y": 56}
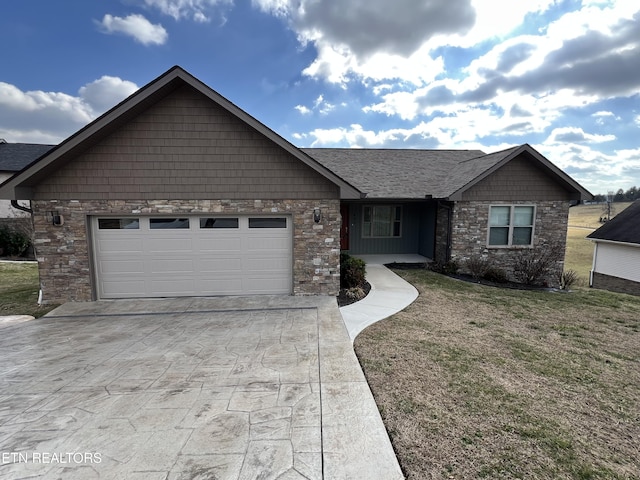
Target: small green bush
{"x": 12, "y": 242}
{"x": 352, "y": 272}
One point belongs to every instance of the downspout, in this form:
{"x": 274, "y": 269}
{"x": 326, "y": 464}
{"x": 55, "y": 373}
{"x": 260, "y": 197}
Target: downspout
{"x": 15, "y": 204}
{"x": 593, "y": 266}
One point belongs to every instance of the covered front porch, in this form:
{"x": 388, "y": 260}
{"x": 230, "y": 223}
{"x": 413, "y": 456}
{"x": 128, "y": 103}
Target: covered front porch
{"x": 394, "y": 231}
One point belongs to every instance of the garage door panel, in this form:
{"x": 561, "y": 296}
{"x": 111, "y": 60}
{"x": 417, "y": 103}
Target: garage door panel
{"x": 254, "y": 243}
{"x": 218, "y": 245}
{"x": 174, "y": 287}
{"x": 221, "y": 286}
{"x": 195, "y": 261}
{"x": 119, "y": 245}
{"x": 216, "y": 265}
{"x": 121, "y": 267}
{"x": 258, "y": 286}
{"x": 275, "y": 265}
{"x": 172, "y": 265}
{"x": 163, "y": 245}
{"x": 122, "y": 288}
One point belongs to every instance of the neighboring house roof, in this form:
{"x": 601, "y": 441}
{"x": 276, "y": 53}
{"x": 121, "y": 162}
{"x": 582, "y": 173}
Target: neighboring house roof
{"x": 16, "y": 156}
{"x": 417, "y": 174}
{"x": 20, "y": 186}
{"x": 624, "y": 227}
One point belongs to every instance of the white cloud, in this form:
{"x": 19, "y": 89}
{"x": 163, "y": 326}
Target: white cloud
{"x": 597, "y": 170}
{"x": 319, "y": 105}
{"x": 576, "y": 135}
{"x": 50, "y": 117}
{"x": 106, "y": 92}
{"x": 197, "y": 10}
{"x": 136, "y": 26}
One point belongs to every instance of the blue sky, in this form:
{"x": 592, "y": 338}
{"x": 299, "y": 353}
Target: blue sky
{"x": 561, "y": 75}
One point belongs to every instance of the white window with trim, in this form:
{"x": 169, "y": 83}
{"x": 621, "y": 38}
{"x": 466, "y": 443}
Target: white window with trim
{"x": 511, "y": 225}
{"x": 381, "y": 221}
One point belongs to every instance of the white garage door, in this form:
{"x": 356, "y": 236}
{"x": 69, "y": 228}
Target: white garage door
{"x": 192, "y": 256}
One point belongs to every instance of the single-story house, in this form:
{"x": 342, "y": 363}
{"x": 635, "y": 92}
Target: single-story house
{"x": 178, "y": 192}
{"x": 13, "y": 158}
{"x": 616, "y": 252}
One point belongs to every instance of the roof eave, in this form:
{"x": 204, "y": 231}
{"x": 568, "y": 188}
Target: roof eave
{"x": 614, "y": 242}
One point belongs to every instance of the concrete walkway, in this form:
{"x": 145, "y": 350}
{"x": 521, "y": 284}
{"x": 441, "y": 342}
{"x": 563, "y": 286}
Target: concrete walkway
{"x": 229, "y": 388}
{"x": 389, "y": 293}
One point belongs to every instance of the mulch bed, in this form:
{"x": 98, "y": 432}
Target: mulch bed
{"x": 344, "y": 299}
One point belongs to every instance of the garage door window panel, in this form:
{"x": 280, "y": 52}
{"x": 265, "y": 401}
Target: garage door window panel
{"x": 223, "y": 222}
{"x": 267, "y": 222}
{"x": 168, "y": 223}
{"x": 118, "y": 223}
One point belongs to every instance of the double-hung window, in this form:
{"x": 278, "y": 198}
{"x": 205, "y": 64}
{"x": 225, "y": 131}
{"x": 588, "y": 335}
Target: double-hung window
{"x": 381, "y": 221}
{"x": 511, "y": 225}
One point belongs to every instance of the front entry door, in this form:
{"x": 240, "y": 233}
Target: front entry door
{"x": 344, "y": 227}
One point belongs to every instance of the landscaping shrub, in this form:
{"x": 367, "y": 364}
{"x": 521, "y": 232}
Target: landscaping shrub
{"x": 477, "y": 266}
{"x": 533, "y": 266}
{"x": 568, "y": 278}
{"x": 496, "y": 275}
{"x": 352, "y": 272}
{"x": 449, "y": 268}
{"x": 12, "y": 242}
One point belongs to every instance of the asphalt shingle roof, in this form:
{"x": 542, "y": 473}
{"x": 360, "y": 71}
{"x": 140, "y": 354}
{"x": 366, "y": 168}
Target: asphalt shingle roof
{"x": 624, "y": 227}
{"x": 389, "y": 173}
{"x": 15, "y": 156}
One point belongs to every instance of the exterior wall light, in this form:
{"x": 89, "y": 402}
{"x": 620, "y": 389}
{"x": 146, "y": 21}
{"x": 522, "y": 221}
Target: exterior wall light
{"x": 317, "y": 215}
{"x": 56, "y": 218}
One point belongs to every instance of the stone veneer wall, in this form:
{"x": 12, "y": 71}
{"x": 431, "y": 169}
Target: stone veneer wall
{"x": 63, "y": 252}
{"x": 615, "y": 284}
{"x": 470, "y": 223}
{"x": 442, "y": 233}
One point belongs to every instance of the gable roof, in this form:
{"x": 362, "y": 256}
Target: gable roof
{"x": 418, "y": 174}
{"x": 16, "y": 156}
{"x": 20, "y": 186}
{"x": 624, "y": 227}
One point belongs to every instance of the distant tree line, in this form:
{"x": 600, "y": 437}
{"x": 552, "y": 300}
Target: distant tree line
{"x": 620, "y": 196}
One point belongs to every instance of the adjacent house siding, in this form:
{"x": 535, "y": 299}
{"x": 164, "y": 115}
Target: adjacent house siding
{"x": 615, "y": 284}
{"x": 470, "y": 229}
{"x": 518, "y": 179}
{"x": 617, "y": 260}
{"x": 64, "y": 252}
{"x": 185, "y": 147}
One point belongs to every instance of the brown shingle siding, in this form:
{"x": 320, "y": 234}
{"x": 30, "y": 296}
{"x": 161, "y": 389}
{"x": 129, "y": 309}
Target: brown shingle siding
{"x": 516, "y": 180}
{"x": 184, "y": 147}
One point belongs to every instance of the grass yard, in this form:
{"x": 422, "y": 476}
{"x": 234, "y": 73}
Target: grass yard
{"x": 19, "y": 290}
{"x": 480, "y": 382}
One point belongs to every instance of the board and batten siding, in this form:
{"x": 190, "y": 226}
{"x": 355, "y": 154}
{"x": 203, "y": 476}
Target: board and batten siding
{"x": 519, "y": 179}
{"x": 617, "y": 260}
{"x": 417, "y": 231}
{"x": 185, "y": 147}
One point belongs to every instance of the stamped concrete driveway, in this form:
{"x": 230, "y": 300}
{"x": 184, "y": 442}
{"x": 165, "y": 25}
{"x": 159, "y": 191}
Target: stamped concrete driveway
{"x": 216, "y": 388}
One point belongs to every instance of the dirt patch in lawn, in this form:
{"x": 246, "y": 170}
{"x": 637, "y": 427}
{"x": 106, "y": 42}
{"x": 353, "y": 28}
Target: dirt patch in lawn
{"x": 479, "y": 382}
